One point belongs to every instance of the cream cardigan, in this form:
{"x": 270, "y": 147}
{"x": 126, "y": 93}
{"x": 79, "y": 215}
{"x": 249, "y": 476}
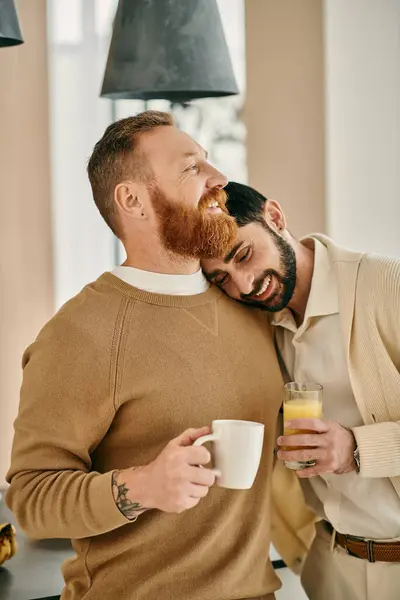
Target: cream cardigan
{"x": 369, "y": 308}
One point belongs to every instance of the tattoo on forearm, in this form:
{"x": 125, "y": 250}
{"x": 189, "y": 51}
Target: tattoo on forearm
{"x": 131, "y": 510}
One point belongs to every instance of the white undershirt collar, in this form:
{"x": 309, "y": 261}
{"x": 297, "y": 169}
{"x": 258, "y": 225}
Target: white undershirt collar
{"x": 160, "y": 283}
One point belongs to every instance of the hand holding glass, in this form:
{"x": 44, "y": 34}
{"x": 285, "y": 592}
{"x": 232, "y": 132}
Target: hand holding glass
{"x": 301, "y": 401}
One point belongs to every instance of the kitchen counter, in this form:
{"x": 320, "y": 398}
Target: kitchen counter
{"x": 35, "y": 570}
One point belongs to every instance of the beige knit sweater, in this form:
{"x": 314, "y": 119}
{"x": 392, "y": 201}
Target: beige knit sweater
{"x": 114, "y": 376}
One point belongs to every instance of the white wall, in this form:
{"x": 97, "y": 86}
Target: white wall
{"x": 362, "y": 86}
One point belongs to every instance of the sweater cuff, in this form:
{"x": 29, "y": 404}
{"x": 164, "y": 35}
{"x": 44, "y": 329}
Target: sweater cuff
{"x": 103, "y": 510}
{"x": 379, "y": 446}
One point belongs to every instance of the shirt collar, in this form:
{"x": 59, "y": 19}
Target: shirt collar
{"x": 160, "y": 283}
{"x": 323, "y": 298}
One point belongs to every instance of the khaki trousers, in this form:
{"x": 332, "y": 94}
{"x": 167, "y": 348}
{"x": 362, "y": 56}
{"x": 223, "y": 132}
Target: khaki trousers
{"x": 267, "y": 597}
{"x": 331, "y": 574}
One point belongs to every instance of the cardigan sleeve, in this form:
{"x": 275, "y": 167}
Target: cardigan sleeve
{"x": 379, "y": 443}
{"x": 379, "y": 446}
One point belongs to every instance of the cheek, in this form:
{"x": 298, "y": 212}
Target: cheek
{"x": 191, "y": 192}
{"x": 232, "y": 290}
{"x": 267, "y": 259}
{"x": 197, "y": 181}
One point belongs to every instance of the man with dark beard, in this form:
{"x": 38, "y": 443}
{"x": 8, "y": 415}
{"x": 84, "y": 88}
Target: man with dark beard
{"x": 336, "y": 315}
{"x": 137, "y": 357}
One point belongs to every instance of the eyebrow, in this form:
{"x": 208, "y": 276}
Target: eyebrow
{"x": 196, "y": 154}
{"x": 232, "y": 253}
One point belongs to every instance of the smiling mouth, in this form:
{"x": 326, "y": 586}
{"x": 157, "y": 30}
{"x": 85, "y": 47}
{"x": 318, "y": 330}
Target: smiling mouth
{"x": 214, "y": 207}
{"x": 264, "y": 290}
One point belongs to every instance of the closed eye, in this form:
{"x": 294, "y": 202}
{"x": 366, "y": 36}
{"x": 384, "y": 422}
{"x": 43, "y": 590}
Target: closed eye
{"x": 243, "y": 255}
{"x": 221, "y": 279}
{"x": 194, "y": 168}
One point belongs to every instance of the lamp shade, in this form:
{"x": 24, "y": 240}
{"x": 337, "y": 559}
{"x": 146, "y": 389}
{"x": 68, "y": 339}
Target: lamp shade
{"x": 10, "y": 33}
{"x": 170, "y": 49}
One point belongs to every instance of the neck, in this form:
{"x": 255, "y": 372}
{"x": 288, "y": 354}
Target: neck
{"x": 305, "y": 269}
{"x": 150, "y": 255}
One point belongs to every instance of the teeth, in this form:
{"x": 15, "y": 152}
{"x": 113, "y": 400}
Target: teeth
{"x": 213, "y": 204}
{"x": 265, "y": 286}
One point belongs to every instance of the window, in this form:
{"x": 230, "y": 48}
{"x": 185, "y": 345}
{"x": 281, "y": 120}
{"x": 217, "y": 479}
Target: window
{"x": 79, "y": 35}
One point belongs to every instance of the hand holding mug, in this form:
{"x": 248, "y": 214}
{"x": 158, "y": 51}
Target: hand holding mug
{"x": 173, "y": 482}
{"x": 237, "y": 452}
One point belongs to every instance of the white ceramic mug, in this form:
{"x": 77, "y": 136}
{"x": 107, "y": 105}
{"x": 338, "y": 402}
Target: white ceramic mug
{"x": 237, "y": 452}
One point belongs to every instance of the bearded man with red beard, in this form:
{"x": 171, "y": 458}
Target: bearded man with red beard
{"x": 129, "y": 373}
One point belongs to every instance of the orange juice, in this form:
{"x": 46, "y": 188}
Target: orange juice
{"x": 300, "y": 408}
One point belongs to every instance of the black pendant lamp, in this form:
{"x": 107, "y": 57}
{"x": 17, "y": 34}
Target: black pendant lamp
{"x": 10, "y": 33}
{"x": 168, "y": 49}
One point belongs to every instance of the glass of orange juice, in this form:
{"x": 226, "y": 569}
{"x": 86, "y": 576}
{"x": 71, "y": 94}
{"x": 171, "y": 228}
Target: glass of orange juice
{"x": 301, "y": 401}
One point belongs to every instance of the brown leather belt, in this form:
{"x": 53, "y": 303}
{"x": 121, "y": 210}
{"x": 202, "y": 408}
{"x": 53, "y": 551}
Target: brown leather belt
{"x": 367, "y": 549}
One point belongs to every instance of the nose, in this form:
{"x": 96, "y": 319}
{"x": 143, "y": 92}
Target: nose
{"x": 216, "y": 179}
{"x": 244, "y": 282}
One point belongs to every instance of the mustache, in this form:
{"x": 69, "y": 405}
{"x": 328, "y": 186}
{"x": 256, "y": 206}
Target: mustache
{"x": 259, "y": 283}
{"x": 191, "y": 231}
{"x": 214, "y": 195}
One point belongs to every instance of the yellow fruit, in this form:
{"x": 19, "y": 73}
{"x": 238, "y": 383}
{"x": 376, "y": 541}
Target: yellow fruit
{"x": 8, "y": 544}
{"x": 13, "y": 544}
{"x": 5, "y": 550}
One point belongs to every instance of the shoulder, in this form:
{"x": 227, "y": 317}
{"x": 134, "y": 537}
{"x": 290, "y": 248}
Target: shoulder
{"x": 373, "y": 269}
{"x": 378, "y": 291}
{"x": 244, "y": 315}
{"x": 87, "y": 324}
{"x": 379, "y": 262}
{"x": 337, "y": 254}
{"x": 381, "y": 271}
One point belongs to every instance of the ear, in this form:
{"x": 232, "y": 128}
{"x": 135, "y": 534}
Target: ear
{"x": 274, "y": 215}
{"x": 127, "y": 197}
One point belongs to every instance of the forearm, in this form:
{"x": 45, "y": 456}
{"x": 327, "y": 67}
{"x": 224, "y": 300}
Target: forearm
{"x": 379, "y": 446}
{"x": 128, "y": 497}
{"x": 64, "y": 504}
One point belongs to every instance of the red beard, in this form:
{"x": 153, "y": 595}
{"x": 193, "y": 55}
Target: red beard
{"x": 190, "y": 231}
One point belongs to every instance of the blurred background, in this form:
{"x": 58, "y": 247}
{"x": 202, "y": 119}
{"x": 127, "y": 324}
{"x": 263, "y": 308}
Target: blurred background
{"x": 315, "y": 125}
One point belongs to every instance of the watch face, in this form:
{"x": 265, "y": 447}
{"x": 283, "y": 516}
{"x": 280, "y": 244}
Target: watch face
{"x": 356, "y": 455}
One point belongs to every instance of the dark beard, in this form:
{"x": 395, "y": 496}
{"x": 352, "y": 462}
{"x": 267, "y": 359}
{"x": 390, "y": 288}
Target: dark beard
{"x": 189, "y": 231}
{"x": 286, "y": 278}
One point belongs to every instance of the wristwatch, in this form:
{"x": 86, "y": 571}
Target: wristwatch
{"x": 356, "y": 455}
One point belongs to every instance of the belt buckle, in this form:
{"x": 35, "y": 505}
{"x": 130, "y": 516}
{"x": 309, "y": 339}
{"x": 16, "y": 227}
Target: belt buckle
{"x": 345, "y": 546}
{"x": 370, "y": 550}
{"x": 349, "y": 552}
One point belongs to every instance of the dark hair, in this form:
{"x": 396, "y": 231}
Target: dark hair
{"x": 245, "y": 204}
{"x": 116, "y": 156}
